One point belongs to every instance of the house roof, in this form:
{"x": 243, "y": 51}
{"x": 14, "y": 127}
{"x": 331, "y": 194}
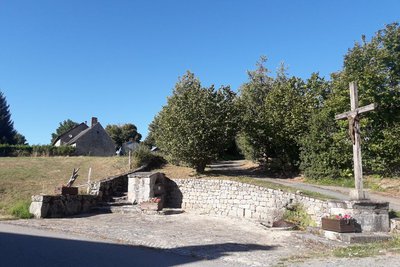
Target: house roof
{"x": 69, "y": 131}
{"x": 73, "y": 140}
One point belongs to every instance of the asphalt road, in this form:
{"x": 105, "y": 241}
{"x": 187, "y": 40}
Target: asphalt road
{"x": 335, "y": 192}
{"x": 22, "y": 246}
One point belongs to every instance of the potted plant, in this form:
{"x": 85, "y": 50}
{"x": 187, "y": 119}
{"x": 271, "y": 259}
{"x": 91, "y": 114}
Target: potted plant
{"x": 339, "y": 223}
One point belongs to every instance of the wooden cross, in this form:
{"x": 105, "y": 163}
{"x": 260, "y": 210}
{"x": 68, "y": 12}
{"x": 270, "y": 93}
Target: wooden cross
{"x": 354, "y": 131}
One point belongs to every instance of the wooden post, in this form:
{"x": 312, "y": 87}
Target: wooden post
{"x": 354, "y": 129}
{"x": 357, "y": 159}
{"x": 89, "y": 175}
{"x": 129, "y": 162}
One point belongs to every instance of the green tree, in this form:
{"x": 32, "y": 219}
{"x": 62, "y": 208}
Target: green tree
{"x": 275, "y": 112}
{"x": 123, "y": 133}
{"x": 150, "y": 140}
{"x": 196, "y": 124}
{"x": 253, "y": 138}
{"x": 19, "y": 139}
{"x": 63, "y": 127}
{"x": 7, "y": 131}
{"x": 375, "y": 66}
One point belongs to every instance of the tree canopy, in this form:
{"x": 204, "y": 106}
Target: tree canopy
{"x": 63, "y": 127}
{"x": 123, "y": 133}
{"x": 274, "y": 115}
{"x": 375, "y": 66}
{"x": 196, "y": 124}
{"x": 7, "y": 131}
{"x": 8, "y": 135}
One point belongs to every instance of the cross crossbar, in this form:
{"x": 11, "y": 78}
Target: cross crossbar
{"x": 360, "y": 110}
{"x": 354, "y": 131}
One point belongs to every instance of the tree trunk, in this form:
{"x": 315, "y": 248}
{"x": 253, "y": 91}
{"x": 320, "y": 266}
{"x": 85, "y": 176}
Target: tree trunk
{"x": 200, "y": 167}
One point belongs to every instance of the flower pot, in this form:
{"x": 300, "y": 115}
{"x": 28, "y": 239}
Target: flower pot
{"x": 337, "y": 225}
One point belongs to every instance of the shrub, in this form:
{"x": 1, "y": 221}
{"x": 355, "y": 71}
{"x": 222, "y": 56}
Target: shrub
{"x": 35, "y": 151}
{"x": 299, "y": 216}
{"x": 143, "y": 156}
{"x": 21, "y": 210}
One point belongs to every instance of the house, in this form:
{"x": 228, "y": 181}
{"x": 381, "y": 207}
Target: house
{"x": 89, "y": 141}
{"x": 129, "y": 146}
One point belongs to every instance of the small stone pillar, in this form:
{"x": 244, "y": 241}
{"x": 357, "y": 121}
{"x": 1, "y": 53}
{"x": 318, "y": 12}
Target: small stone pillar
{"x": 142, "y": 186}
{"x": 39, "y": 206}
{"x": 371, "y": 216}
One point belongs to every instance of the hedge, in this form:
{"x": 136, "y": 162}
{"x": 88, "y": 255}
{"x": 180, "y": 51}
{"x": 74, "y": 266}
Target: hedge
{"x": 35, "y": 151}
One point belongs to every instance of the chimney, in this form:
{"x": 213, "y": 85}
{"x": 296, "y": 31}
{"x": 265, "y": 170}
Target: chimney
{"x": 94, "y": 121}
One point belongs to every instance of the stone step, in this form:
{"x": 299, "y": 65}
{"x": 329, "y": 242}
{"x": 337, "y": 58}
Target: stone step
{"x": 334, "y": 239}
{"x": 356, "y": 238}
{"x": 124, "y": 209}
{"x": 113, "y": 204}
{"x": 119, "y": 199}
{"x": 120, "y": 194}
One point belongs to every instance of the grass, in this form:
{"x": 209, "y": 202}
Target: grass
{"x": 332, "y": 182}
{"x": 22, "y": 177}
{"x": 21, "y": 210}
{"x": 271, "y": 185}
{"x": 180, "y": 172}
{"x": 394, "y": 214}
{"x": 369, "y": 250}
{"x": 373, "y": 182}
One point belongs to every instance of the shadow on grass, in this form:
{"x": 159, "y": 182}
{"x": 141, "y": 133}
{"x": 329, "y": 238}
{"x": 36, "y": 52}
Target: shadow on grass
{"x": 233, "y": 169}
{"x": 28, "y": 250}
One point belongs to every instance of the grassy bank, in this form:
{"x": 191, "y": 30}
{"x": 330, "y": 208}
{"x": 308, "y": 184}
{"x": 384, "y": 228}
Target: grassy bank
{"x": 173, "y": 171}
{"x": 22, "y": 177}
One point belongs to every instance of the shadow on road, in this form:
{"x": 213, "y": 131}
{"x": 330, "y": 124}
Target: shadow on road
{"x": 28, "y": 250}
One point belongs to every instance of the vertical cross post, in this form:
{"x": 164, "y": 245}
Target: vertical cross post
{"x": 354, "y": 129}
{"x": 358, "y": 175}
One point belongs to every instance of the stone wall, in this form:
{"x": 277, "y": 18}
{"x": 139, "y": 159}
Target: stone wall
{"x": 112, "y": 186}
{"x": 46, "y": 206}
{"x": 234, "y": 199}
{"x": 109, "y": 187}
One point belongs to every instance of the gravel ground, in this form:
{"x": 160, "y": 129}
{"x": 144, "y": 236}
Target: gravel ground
{"x": 232, "y": 242}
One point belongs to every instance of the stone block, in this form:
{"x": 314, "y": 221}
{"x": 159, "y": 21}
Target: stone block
{"x": 41, "y": 198}
{"x": 39, "y": 209}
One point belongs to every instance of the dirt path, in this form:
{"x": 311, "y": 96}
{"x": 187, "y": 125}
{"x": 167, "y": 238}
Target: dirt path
{"x": 243, "y": 167}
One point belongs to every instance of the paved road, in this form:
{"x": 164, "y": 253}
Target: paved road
{"x": 22, "y": 246}
{"x": 239, "y": 167}
{"x": 335, "y": 191}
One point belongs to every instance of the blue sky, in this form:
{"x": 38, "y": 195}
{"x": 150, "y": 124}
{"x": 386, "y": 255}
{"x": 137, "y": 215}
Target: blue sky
{"x": 119, "y": 60}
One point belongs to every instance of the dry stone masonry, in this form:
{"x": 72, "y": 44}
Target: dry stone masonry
{"x": 46, "y": 206}
{"x": 234, "y": 199}
{"x": 217, "y": 197}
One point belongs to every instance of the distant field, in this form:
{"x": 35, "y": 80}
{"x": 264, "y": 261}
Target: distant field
{"x": 22, "y": 177}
